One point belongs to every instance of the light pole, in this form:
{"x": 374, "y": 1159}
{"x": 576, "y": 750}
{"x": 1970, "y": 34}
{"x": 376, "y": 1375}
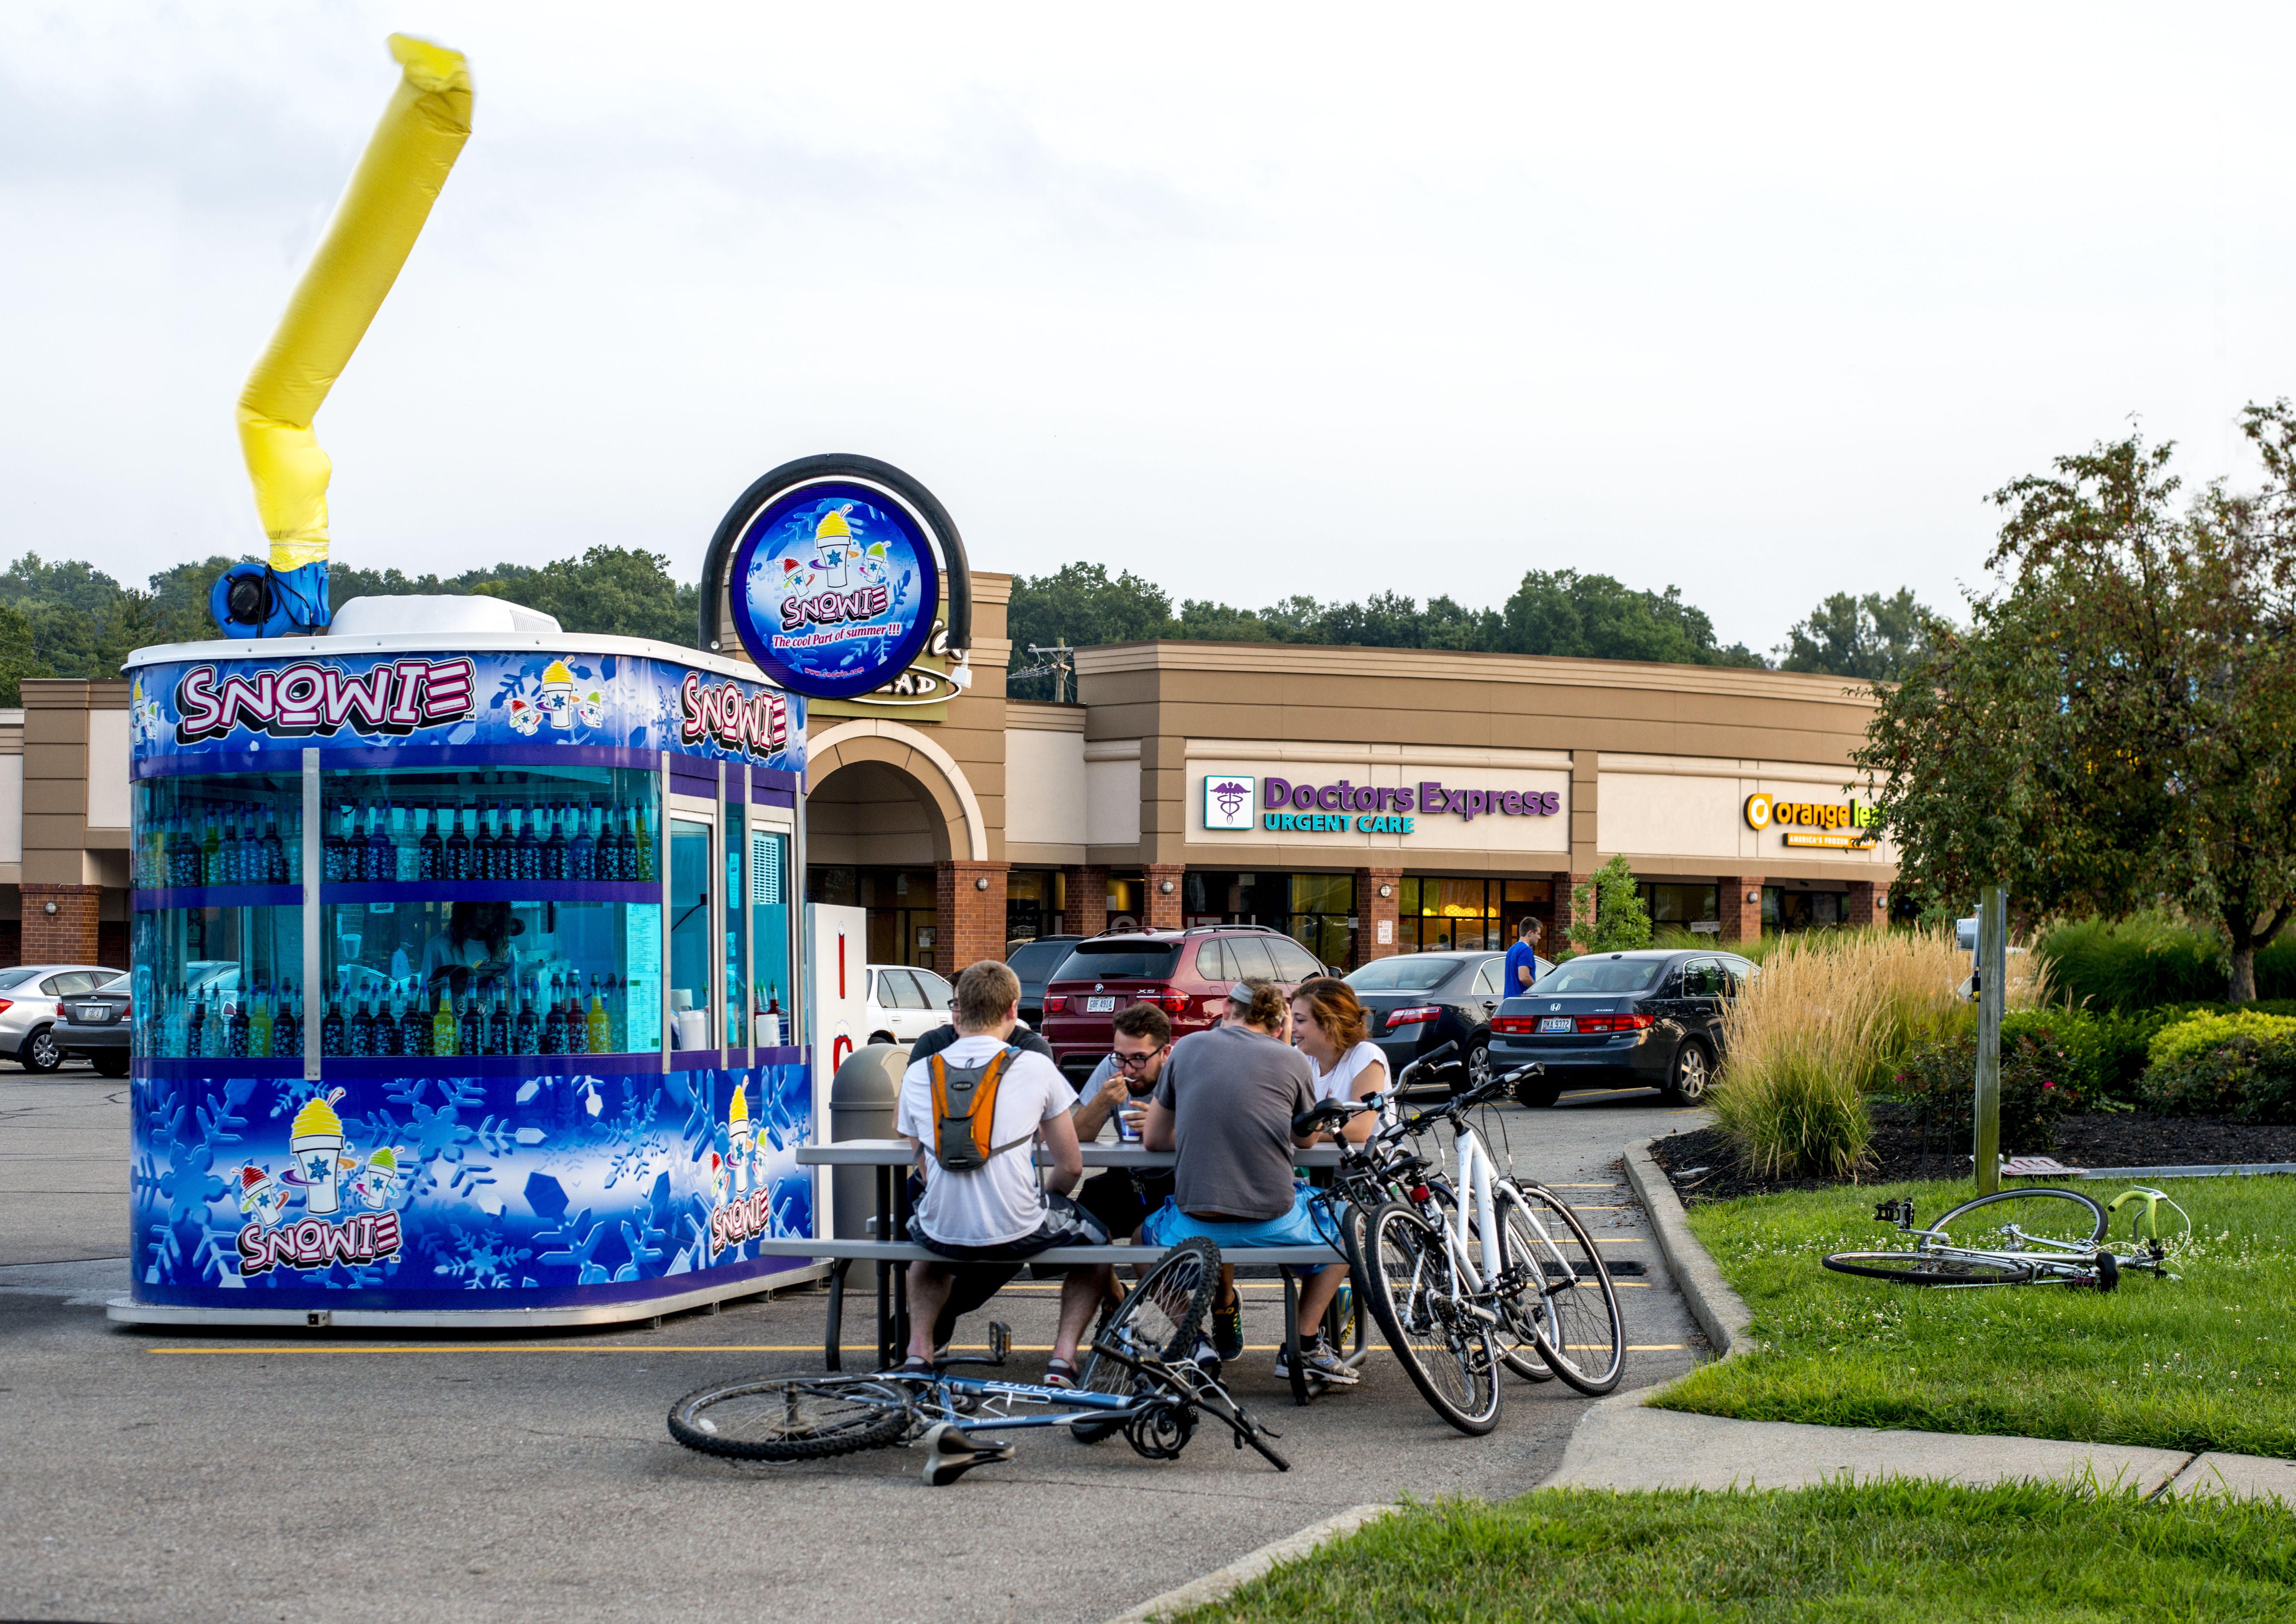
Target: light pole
{"x": 1992, "y": 985}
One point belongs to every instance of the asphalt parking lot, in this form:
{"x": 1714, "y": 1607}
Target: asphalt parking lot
{"x": 229, "y": 1475}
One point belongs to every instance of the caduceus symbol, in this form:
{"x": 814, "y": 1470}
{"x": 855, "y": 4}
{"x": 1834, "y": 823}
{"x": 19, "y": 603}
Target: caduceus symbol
{"x": 1230, "y": 796}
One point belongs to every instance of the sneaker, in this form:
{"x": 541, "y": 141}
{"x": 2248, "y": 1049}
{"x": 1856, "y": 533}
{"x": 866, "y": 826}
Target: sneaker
{"x": 1317, "y": 1359}
{"x": 1060, "y": 1373}
{"x": 1207, "y": 1356}
{"x": 1227, "y": 1328}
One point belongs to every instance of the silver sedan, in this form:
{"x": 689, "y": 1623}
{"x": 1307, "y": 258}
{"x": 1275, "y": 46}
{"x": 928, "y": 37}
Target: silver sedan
{"x": 28, "y": 1009}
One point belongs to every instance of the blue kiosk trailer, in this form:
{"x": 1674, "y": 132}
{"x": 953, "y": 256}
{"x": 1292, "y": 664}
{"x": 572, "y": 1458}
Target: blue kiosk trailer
{"x": 468, "y": 978}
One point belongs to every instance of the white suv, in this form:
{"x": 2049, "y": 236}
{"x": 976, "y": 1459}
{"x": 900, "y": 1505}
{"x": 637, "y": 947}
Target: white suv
{"x": 905, "y": 1002}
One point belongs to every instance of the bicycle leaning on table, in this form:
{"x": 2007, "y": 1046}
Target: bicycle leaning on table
{"x": 2021, "y": 1237}
{"x": 1463, "y": 1280}
{"x": 1140, "y": 1381}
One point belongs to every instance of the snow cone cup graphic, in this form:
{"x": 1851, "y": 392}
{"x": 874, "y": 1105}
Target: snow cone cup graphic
{"x": 558, "y": 694}
{"x": 260, "y": 1197}
{"x": 315, "y": 1140}
{"x": 741, "y": 1139}
{"x": 832, "y": 539}
{"x": 374, "y": 1184}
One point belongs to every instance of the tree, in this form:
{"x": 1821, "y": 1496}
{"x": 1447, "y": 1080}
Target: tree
{"x": 17, "y": 658}
{"x": 2117, "y": 724}
{"x": 1596, "y": 617}
{"x": 1607, "y": 911}
{"x": 1080, "y": 606}
{"x": 1872, "y": 638}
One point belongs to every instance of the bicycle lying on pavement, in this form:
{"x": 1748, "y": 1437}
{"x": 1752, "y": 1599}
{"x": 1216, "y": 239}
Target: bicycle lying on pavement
{"x": 1140, "y": 1381}
{"x": 1463, "y": 1281}
{"x": 2020, "y": 1237}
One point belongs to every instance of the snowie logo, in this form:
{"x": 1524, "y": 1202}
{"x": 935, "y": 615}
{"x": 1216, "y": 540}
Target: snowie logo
{"x": 1227, "y": 801}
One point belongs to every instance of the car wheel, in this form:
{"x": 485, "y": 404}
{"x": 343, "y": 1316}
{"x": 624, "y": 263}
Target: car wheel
{"x": 41, "y": 1051}
{"x": 1693, "y": 1070}
{"x": 109, "y": 1062}
{"x": 1478, "y": 1068}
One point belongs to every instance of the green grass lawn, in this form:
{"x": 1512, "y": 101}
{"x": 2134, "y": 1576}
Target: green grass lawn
{"x": 1893, "y": 1552}
{"x": 2204, "y": 1362}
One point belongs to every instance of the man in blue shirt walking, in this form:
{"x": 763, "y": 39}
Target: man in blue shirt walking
{"x": 1523, "y": 964}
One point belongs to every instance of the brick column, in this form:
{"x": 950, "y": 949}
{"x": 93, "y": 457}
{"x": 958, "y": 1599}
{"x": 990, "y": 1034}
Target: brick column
{"x": 68, "y": 936}
{"x": 1557, "y": 940}
{"x": 1085, "y": 912}
{"x": 1869, "y": 903}
{"x": 969, "y": 925}
{"x": 1742, "y": 921}
{"x": 1374, "y": 911}
{"x": 1164, "y": 906}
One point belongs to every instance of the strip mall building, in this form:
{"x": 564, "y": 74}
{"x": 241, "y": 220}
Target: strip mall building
{"x": 1369, "y": 801}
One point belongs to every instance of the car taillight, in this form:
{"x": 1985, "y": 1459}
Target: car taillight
{"x": 1053, "y": 1007}
{"x": 1515, "y": 1025}
{"x": 1170, "y": 1003}
{"x": 1413, "y": 1016}
{"x": 5, "y": 1004}
{"x": 1615, "y": 1023}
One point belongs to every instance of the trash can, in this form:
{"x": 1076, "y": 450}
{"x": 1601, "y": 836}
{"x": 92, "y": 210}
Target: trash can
{"x": 862, "y": 1097}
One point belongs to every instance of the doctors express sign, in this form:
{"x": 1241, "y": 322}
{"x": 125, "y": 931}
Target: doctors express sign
{"x": 1241, "y": 801}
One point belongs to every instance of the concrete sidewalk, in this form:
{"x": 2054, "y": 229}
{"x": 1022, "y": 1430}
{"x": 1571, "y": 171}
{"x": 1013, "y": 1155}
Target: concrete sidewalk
{"x": 1620, "y": 1444}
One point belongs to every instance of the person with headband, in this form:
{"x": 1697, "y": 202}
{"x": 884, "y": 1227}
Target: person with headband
{"x": 1224, "y": 1106}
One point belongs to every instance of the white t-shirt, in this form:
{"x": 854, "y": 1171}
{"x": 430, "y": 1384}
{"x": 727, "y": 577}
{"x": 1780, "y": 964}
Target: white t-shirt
{"x": 1002, "y": 1201}
{"x": 1339, "y": 1082}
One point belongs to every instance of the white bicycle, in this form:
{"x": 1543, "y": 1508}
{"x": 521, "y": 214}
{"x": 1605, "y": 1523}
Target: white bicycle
{"x": 1463, "y": 1280}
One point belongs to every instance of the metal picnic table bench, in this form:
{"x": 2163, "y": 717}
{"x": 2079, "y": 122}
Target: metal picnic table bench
{"x": 891, "y": 1158}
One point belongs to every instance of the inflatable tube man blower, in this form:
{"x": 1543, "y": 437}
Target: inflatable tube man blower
{"x": 373, "y": 230}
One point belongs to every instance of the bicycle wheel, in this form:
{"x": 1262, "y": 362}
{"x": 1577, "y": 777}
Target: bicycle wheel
{"x": 1158, "y": 1320}
{"x": 1931, "y": 1268}
{"x": 2045, "y": 1222}
{"x": 1444, "y": 1350}
{"x": 1567, "y": 1306}
{"x": 790, "y": 1421}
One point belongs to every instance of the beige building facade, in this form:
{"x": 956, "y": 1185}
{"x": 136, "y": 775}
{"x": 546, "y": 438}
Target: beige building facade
{"x": 1369, "y": 801}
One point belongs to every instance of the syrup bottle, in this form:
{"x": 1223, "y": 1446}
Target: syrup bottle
{"x": 259, "y": 1023}
{"x": 417, "y": 1032}
{"x": 527, "y": 1036}
{"x": 331, "y": 1030}
{"x": 195, "y": 1028}
{"x": 530, "y": 850}
{"x": 443, "y": 1027}
{"x": 471, "y": 1038}
{"x": 429, "y": 851}
{"x": 381, "y": 856}
{"x": 286, "y": 1025}
{"x": 274, "y": 854}
{"x": 642, "y": 847}
{"x": 482, "y": 850}
{"x": 601, "y": 1029}
{"x": 581, "y": 851}
{"x": 362, "y": 1032}
{"x": 460, "y": 858}
{"x": 498, "y": 1025}
{"x": 556, "y": 851}
{"x": 554, "y": 1026}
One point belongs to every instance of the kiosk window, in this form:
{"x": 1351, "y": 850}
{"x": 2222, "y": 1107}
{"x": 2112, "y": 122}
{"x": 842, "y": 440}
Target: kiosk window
{"x": 690, "y": 958}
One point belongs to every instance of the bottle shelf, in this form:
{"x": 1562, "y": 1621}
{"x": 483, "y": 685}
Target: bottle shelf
{"x": 225, "y": 897}
{"x": 492, "y": 890}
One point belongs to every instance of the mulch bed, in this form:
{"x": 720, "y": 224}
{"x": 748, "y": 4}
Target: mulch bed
{"x": 1704, "y": 1168}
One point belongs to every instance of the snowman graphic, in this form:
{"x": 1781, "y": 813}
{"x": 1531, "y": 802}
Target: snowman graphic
{"x": 262, "y": 1197}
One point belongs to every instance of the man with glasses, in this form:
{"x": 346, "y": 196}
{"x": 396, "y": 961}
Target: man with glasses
{"x": 1120, "y": 1197}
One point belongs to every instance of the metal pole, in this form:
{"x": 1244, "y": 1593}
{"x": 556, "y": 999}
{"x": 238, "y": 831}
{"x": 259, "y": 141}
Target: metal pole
{"x": 1992, "y": 968}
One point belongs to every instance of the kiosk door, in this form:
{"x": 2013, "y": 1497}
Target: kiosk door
{"x": 696, "y": 1002}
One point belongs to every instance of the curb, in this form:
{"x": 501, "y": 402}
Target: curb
{"x": 1216, "y": 1586}
{"x": 1720, "y": 1312}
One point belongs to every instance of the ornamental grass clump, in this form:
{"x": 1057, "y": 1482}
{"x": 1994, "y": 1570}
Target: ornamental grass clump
{"x": 1825, "y": 1021}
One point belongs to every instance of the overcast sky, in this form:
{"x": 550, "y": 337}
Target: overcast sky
{"x": 1253, "y": 300}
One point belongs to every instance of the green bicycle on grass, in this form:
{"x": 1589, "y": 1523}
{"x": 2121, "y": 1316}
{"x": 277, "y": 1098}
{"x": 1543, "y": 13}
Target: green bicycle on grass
{"x": 2017, "y": 1237}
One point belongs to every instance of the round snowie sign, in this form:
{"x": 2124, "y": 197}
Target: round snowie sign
{"x": 833, "y": 587}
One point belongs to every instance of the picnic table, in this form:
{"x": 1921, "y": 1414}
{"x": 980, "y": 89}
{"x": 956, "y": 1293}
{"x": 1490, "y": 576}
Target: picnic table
{"x": 890, "y": 1249}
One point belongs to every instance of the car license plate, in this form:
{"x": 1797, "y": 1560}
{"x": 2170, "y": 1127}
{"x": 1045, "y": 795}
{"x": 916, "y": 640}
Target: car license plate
{"x": 1554, "y": 1023}
{"x": 1100, "y": 1007}
{"x": 95, "y": 1014}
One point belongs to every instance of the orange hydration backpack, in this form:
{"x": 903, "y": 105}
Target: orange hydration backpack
{"x": 964, "y": 1110}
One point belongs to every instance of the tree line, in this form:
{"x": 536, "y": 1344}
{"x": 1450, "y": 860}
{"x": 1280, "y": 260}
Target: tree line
{"x": 1562, "y": 613}
{"x": 68, "y": 619}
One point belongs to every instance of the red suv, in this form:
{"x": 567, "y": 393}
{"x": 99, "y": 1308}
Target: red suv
{"x": 1187, "y": 972}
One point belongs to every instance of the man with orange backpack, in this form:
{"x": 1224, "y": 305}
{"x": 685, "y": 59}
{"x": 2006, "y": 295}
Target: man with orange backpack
{"x": 974, "y": 1112}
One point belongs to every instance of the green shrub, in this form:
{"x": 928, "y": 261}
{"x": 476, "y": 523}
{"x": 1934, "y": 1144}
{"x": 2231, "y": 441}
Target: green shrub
{"x": 2041, "y": 1079}
{"x": 2241, "y": 1065}
{"x": 2151, "y": 959}
{"x": 1799, "y": 1114}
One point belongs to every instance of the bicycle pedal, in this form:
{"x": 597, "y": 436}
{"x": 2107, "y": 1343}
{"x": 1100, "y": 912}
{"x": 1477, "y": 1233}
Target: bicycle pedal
{"x": 1000, "y": 1340}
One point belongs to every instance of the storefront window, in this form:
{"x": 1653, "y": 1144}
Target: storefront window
{"x": 1681, "y": 905}
{"x": 1317, "y": 911}
{"x": 1034, "y": 902}
{"x": 1436, "y": 912}
{"x": 904, "y": 914}
{"x": 1785, "y": 908}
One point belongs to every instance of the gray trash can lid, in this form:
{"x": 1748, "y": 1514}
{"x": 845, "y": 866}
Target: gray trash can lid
{"x": 870, "y": 1077}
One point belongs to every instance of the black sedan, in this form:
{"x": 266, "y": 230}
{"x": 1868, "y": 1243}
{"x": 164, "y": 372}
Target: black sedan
{"x": 97, "y": 1024}
{"x": 1645, "y": 1019}
{"x": 1420, "y": 1001}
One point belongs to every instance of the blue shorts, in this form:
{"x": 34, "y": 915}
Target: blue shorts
{"x": 1308, "y": 1223}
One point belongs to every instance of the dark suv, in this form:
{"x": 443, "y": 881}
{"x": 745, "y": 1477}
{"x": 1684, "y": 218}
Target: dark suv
{"x": 1034, "y": 961}
{"x": 1646, "y": 1020}
{"x": 1185, "y": 973}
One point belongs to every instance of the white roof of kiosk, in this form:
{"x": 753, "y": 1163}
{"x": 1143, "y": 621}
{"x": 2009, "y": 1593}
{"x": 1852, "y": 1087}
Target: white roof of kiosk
{"x": 471, "y": 624}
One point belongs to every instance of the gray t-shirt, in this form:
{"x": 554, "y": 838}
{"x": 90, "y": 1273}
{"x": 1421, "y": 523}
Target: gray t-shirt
{"x": 1233, "y": 1093}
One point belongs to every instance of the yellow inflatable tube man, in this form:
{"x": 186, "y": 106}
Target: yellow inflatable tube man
{"x": 373, "y": 230}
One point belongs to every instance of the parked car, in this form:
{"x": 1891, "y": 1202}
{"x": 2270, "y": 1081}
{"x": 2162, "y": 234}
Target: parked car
{"x": 1645, "y": 1019}
{"x": 97, "y": 1024}
{"x": 1034, "y": 961}
{"x": 1422, "y": 1001}
{"x": 1185, "y": 973}
{"x": 905, "y": 1002}
{"x": 28, "y": 1008}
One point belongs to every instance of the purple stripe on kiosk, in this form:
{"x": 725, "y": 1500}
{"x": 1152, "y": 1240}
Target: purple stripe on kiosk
{"x": 492, "y": 1120}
